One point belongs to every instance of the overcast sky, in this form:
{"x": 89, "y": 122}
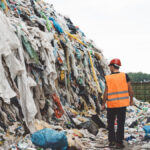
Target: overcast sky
{"x": 121, "y": 28}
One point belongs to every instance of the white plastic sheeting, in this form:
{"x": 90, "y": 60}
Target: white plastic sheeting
{"x": 8, "y": 44}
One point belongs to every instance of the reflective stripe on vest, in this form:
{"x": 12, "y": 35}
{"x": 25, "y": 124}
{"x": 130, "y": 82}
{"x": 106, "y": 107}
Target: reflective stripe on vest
{"x": 114, "y": 93}
{"x": 120, "y": 98}
{"x": 118, "y": 95}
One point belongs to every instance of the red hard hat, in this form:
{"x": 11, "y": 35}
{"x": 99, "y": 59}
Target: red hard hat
{"x": 115, "y": 61}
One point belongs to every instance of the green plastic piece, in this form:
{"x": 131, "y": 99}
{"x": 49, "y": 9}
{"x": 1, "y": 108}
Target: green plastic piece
{"x": 27, "y": 45}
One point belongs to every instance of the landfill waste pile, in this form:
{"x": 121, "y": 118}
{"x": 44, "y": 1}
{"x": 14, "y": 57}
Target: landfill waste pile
{"x": 52, "y": 84}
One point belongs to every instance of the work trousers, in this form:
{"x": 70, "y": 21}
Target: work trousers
{"x": 120, "y": 115}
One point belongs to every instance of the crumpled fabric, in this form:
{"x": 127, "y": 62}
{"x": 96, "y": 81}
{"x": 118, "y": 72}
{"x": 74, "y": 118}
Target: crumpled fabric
{"x": 48, "y": 57}
{"x": 6, "y": 47}
{"x": 6, "y": 36}
{"x": 75, "y": 71}
{"x": 50, "y": 69}
{"x": 12, "y": 62}
{"x": 6, "y": 44}
{"x": 5, "y": 90}
{"x": 26, "y": 97}
{"x": 58, "y": 111}
{"x": 39, "y": 100}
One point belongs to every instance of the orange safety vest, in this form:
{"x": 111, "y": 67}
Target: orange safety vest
{"x": 118, "y": 95}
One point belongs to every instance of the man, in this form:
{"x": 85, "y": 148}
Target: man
{"x": 118, "y": 95}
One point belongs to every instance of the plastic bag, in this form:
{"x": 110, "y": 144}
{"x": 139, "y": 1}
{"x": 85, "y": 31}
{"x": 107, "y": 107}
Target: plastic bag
{"x": 48, "y": 138}
{"x": 56, "y": 25}
{"x": 147, "y": 131}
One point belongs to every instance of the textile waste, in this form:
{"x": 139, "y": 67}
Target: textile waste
{"x": 52, "y": 81}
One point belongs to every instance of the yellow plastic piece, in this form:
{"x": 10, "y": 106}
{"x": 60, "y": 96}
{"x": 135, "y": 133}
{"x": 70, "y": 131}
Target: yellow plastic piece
{"x": 94, "y": 74}
{"x": 4, "y": 1}
{"x": 73, "y": 111}
{"x": 75, "y": 37}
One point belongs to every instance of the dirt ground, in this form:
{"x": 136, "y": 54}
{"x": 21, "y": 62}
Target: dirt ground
{"x": 103, "y": 145}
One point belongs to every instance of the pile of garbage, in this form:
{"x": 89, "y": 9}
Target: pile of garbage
{"x": 50, "y": 71}
{"x": 52, "y": 83}
{"x": 138, "y": 123}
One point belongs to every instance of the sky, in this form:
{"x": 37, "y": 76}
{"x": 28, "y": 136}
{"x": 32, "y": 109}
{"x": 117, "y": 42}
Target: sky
{"x": 120, "y": 28}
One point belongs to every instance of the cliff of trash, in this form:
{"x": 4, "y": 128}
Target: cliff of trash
{"x": 49, "y": 68}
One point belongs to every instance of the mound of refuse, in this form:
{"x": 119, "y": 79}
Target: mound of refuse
{"x": 50, "y": 71}
{"x": 52, "y": 83}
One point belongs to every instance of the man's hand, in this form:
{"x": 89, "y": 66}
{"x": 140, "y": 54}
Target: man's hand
{"x": 130, "y": 93}
{"x": 103, "y": 107}
{"x": 131, "y": 103}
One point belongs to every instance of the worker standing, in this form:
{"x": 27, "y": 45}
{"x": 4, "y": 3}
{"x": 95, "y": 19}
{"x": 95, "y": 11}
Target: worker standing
{"x": 118, "y": 95}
